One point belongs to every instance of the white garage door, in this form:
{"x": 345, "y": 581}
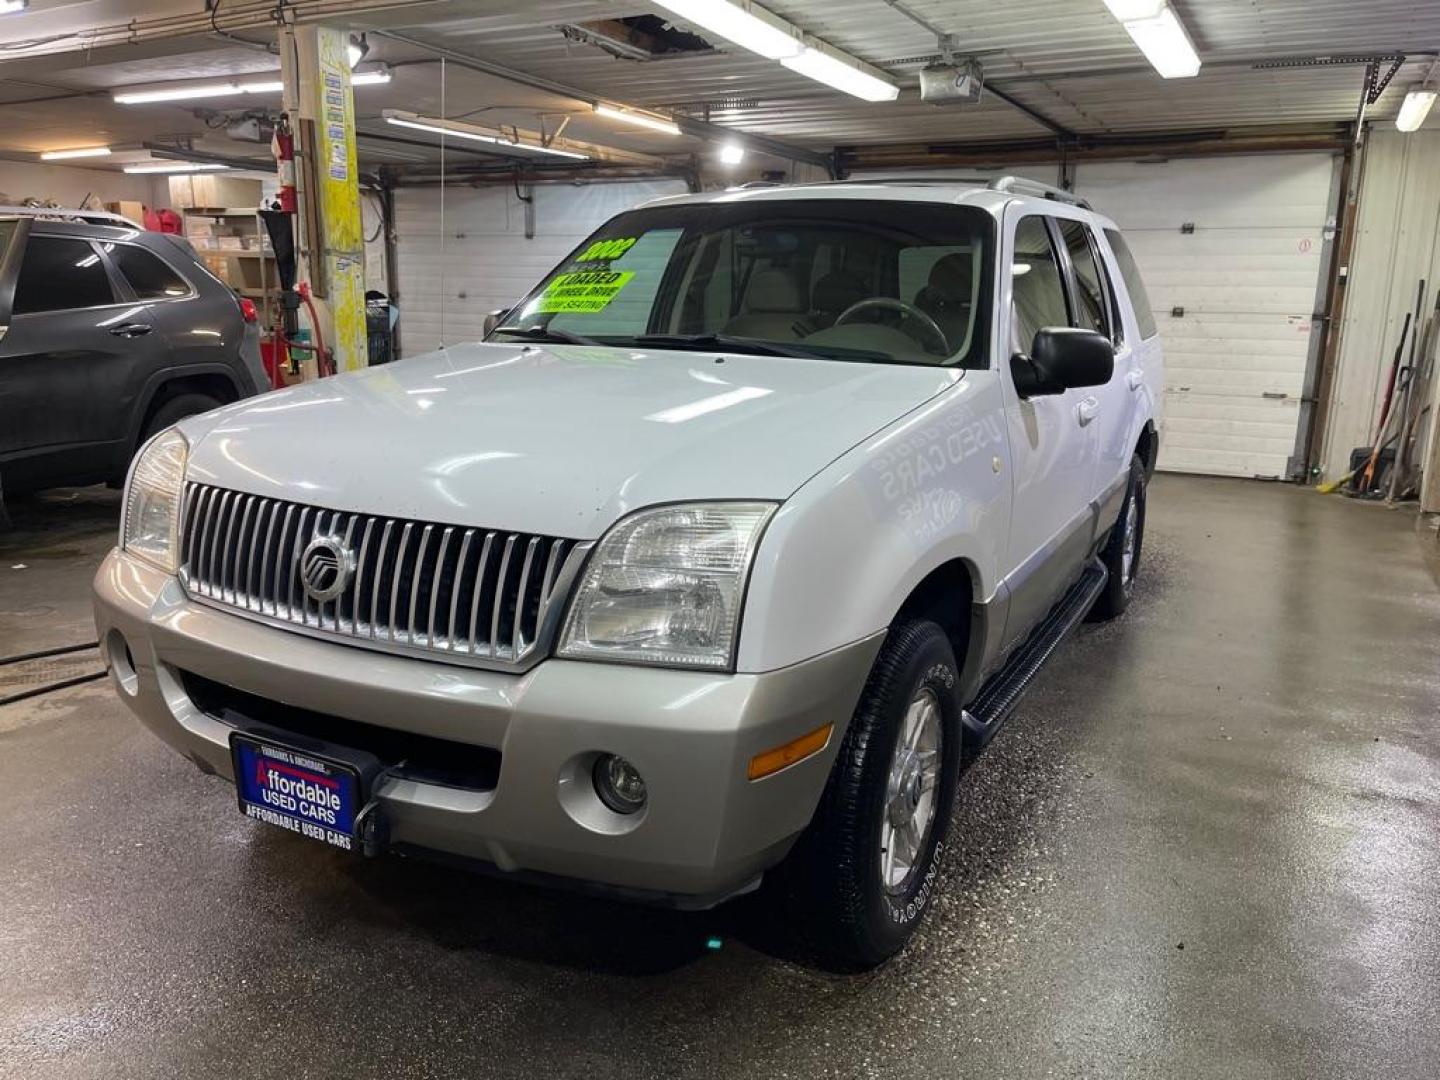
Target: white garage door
{"x": 1233, "y": 296}
{"x": 488, "y": 262}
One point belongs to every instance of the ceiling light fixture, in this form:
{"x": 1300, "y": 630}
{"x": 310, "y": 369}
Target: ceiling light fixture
{"x": 80, "y": 152}
{"x": 842, "y": 75}
{"x": 752, "y": 27}
{"x": 732, "y": 154}
{"x": 197, "y": 91}
{"x": 1159, "y": 34}
{"x": 356, "y": 50}
{"x": 175, "y": 167}
{"x": 638, "y": 117}
{"x": 516, "y": 140}
{"x": 10, "y": 7}
{"x": 1416, "y": 106}
{"x": 742, "y": 24}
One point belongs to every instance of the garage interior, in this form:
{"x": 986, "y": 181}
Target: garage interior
{"x": 1207, "y": 844}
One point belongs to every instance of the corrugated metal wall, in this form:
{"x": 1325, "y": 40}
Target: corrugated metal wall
{"x": 1397, "y": 242}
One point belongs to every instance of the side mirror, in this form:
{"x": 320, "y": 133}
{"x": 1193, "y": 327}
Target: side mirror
{"x": 1062, "y": 357}
{"x": 494, "y": 319}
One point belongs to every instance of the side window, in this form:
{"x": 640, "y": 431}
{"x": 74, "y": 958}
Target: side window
{"x": 1089, "y": 284}
{"x": 1134, "y": 284}
{"x": 147, "y": 273}
{"x": 1039, "y": 293}
{"x": 57, "y": 274}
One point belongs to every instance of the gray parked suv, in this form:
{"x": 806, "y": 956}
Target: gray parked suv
{"x": 108, "y": 334}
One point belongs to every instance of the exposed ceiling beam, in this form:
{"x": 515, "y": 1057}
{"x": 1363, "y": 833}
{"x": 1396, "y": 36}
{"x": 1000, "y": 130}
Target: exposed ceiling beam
{"x": 1094, "y": 148}
{"x": 700, "y": 129}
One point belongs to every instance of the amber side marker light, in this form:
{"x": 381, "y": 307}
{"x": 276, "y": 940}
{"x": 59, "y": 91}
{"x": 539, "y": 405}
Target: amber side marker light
{"x": 772, "y": 761}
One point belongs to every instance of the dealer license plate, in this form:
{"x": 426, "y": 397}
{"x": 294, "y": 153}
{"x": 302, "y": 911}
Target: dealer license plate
{"x": 280, "y": 785}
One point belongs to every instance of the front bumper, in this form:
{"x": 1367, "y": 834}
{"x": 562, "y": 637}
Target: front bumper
{"x": 705, "y": 833}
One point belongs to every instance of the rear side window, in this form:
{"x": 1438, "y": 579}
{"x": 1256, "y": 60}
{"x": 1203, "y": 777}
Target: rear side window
{"x": 147, "y": 273}
{"x": 1134, "y": 284}
{"x": 57, "y": 274}
{"x": 1089, "y": 283}
{"x": 1039, "y": 291}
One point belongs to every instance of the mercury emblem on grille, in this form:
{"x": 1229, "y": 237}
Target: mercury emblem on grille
{"x": 325, "y": 568}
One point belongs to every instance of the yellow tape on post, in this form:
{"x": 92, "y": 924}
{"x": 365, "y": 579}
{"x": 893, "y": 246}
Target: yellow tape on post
{"x": 342, "y": 237}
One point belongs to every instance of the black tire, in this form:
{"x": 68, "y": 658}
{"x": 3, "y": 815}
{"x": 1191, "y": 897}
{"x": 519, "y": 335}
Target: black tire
{"x": 1121, "y": 584}
{"x": 175, "y": 410}
{"x": 832, "y": 882}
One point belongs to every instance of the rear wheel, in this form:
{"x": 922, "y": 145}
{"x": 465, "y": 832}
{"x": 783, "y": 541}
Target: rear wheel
{"x": 1121, "y": 554}
{"x": 862, "y": 875}
{"x": 176, "y": 409}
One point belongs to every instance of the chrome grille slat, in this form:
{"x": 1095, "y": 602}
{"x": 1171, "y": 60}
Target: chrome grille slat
{"x": 481, "y": 569}
{"x": 431, "y": 589}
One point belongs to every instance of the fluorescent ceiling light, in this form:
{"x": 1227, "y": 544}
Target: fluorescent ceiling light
{"x": 198, "y": 91}
{"x": 732, "y": 154}
{"x": 9, "y": 7}
{"x": 740, "y": 23}
{"x": 653, "y": 121}
{"x": 832, "y": 71}
{"x": 455, "y": 130}
{"x": 84, "y": 151}
{"x": 175, "y": 167}
{"x": 378, "y": 77}
{"x": 1415, "y": 108}
{"x": 357, "y": 48}
{"x": 1159, "y": 34}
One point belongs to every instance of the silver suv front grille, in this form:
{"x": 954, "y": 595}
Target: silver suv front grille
{"x": 468, "y": 595}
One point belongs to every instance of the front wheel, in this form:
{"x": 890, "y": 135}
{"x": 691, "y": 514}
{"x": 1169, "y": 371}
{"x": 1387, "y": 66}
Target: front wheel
{"x": 1121, "y": 554}
{"x": 863, "y": 873}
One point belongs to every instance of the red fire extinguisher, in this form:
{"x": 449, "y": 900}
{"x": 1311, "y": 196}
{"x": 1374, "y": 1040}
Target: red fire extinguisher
{"x": 283, "y": 146}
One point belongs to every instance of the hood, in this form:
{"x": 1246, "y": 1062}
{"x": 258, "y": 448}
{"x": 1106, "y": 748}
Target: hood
{"x": 558, "y": 441}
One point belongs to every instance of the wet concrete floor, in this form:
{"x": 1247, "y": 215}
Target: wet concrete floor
{"x": 1208, "y": 845}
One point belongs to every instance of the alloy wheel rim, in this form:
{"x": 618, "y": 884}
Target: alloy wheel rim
{"x": 911, "y": 792}
{"x": 1127, "y": 550}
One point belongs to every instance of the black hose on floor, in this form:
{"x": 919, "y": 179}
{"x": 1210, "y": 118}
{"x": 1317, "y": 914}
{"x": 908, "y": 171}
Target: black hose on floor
{"x": 41, "y": 654}
{"x": 36, "y": 691}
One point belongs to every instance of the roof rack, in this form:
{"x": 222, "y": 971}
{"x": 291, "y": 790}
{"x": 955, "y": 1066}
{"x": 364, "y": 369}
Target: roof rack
{"x": 1019, "y": 185}
{"x": 64, "y": 213}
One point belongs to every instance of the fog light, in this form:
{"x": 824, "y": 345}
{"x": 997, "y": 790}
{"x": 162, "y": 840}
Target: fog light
{"x": 618, "y": 784}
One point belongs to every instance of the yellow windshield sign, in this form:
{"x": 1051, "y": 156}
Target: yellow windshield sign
{"x": 585, "y": 291}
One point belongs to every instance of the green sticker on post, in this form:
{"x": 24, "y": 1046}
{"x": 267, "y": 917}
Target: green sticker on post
{"x": 585, "y": 291}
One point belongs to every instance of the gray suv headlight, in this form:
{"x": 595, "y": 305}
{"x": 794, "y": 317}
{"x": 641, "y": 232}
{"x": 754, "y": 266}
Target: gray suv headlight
{"x": 150, "y": 525}
{"x": 665, "y": 586}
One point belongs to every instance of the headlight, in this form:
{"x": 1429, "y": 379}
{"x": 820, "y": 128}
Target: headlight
{"x": 151, "y": 522}
{"x": 665, "y": 586}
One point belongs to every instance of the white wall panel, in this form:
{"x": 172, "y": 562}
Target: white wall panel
{"x": 486, "y": 260}
{"x": 1397, "y": 242}
{"x": 1246, "y": 279}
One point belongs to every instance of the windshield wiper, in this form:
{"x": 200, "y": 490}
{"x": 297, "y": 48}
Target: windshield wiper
{"x": 726, "y": 343}
{"x": 545, "y": 333}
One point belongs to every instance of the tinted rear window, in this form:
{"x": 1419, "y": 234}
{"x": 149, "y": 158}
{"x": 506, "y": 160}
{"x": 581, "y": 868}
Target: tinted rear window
{"x": 148, "y": 274}
{"x": 1134, "y": 284}
{"x": 58, "y": 274}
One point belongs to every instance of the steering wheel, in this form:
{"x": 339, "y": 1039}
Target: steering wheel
{"x": 929, "y": 324}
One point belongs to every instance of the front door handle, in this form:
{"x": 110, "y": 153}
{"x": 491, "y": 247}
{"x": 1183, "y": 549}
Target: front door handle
{"x": 1087, "y": 410}
{"x": 1135, "y": 379}
{"x": 132, "y": 329}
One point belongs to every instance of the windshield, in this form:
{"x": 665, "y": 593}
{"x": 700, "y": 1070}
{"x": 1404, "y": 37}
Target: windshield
{"x": 837, "y": 279}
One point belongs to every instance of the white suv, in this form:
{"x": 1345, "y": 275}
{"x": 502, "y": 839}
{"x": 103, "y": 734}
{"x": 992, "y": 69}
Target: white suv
{"x": 721, "y": 557}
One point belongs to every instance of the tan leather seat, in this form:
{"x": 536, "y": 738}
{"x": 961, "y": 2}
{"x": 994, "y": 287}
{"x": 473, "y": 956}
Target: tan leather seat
{"x": 774, "y": 309}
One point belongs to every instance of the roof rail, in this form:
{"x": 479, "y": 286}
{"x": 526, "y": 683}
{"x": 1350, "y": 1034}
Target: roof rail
{"x": 1019, "y": 185}
{"x": 64, "y": 213}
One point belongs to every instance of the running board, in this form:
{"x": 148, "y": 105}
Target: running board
{"x": 1001, "y": 693}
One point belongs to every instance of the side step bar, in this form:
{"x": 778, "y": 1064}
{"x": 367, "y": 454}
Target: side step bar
{"x": 1001, "y": 693}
